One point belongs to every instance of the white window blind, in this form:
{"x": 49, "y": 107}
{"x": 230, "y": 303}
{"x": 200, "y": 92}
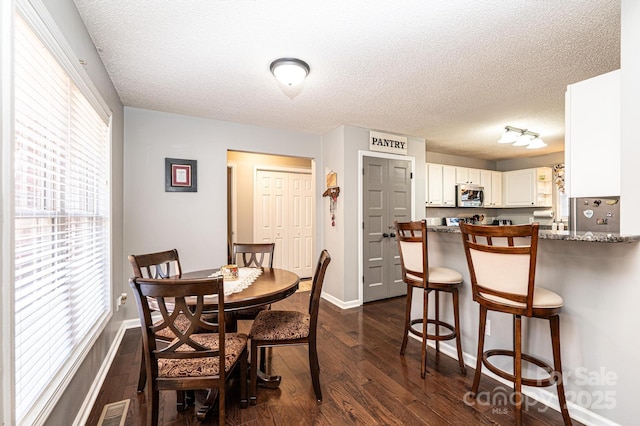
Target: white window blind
{"x": 61, "y": 216}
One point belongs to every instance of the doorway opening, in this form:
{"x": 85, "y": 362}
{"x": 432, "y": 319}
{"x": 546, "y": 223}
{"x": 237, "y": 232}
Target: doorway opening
{"x": 271, "y": 198}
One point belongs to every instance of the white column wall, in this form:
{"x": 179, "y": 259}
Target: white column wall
{"x": 630, "y": 110}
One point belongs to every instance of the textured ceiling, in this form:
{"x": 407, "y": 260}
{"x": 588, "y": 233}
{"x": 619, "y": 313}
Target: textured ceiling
{"x": 454, "y": 72}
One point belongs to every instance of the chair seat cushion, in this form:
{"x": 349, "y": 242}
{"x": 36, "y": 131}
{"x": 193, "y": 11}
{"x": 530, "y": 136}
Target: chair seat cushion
{"x": 542, "y": 298}
{"x": 175, "y": 368}
{"x": 280, "y": 325}
{"x": 441, "y": 275}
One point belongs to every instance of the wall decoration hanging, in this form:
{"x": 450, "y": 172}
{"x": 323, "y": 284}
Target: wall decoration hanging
{"x": 558, "y": 174}
{"x": 332, "y": 192}
{"x": 180, "y": 175}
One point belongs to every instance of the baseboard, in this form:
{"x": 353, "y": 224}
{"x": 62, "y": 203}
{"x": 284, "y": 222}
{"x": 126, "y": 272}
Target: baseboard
{"x": 87, "y": 405}
{"x": 550, "y": 399}
{"x": 339, "y": 303}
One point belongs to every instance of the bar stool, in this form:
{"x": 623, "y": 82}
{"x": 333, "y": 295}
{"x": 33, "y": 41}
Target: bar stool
{"x": 412, "y": 246}
{"x": 502, "y": 266}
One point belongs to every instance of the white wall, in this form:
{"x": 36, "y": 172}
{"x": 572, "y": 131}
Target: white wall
{"x": 458, "y": 160}
{"x": 193, "y": 223}
{"x": 530, "y": 162}
{"x": 341, "y": 148}
{"x": 334, "y": 238}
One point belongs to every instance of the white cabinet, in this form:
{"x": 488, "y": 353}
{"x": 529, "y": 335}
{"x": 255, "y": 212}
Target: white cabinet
{"x": 592, "y": 136}
{"x": 467, "y": 175}
{"x": 441, "y": 185}
{"x": 448, "y": 186}
{"x": 434, "y": 185}
{"x": 492, "y": 183}
{"x": 528, "y": 187}
{"x": 496, "y": 188}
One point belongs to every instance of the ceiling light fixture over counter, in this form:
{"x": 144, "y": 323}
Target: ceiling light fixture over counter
{"x": 290, "y": 71}
{"x": 522, "y": 137}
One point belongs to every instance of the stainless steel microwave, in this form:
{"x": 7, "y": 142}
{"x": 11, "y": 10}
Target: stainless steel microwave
{"x": 469, "y": 195}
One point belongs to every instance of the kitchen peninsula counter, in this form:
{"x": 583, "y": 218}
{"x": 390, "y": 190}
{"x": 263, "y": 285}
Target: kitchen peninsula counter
{"x": 593, "y": 237}
{"x": 600, "y": 286}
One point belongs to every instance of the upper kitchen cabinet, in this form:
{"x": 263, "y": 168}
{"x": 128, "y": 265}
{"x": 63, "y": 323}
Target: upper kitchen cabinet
{"x": 467, "y": 175}
{"x": 592, "y": 136}
{"x": 434, "y": 185}
{"x": 528, "y": 187}
{"x": 441, "y": 185}
{"x": 492, "y": 183}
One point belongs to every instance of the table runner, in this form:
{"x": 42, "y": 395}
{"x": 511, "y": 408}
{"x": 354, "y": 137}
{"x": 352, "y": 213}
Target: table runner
{"x": 246, "y": 277}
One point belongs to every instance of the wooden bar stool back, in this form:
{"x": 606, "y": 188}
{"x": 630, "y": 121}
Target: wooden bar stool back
{"x": 502, "y": 266}
{"x": 416, "y": 273}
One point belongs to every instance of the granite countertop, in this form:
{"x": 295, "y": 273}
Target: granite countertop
{"x": 594, "y": 237}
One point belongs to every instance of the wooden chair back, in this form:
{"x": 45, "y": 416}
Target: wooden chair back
{"x": 412, "y": 246}
{"x": 502, "y": 263}
{"x": 253, "y": 254}
{"x": 316, "y": 288}
{"x": 195, "y": 349}
{"x": 163, "y": 264}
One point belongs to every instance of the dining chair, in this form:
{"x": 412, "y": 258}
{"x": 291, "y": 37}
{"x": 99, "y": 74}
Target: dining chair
{"x": 416, "y": 273}
{"x": 502, "y": 266}
{"x": 203, "y": 360}
{"x": 280, "y": 328}
{"x": 160, "y": 265}
{"x": 253, "y": 255}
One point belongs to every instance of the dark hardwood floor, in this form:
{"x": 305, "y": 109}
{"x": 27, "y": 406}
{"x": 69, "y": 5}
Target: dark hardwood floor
{"x": 364, "y": 380}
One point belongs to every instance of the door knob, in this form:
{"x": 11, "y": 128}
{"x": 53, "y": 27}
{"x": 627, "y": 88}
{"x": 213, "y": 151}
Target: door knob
{"x": 392, "y": 235}
{"x": 385, "y": 235}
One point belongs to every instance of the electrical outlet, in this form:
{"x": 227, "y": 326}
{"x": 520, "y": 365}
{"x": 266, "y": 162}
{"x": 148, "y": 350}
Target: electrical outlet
{"x": 487, "y": 328}
{"x": 121, "y": 300}
{"x": 531, "y": 220}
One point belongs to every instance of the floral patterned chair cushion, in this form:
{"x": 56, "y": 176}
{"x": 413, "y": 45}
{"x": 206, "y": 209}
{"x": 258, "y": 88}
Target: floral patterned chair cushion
{"x": 235, "y": 344}
{"x": 280, "y": 325}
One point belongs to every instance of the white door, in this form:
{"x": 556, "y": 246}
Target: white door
{"x": 301, "y": 224}
{"x": 283, "y": 213}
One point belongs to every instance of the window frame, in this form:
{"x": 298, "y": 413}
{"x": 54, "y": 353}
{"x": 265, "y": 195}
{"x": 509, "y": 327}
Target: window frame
{"x": 37, "y": 17}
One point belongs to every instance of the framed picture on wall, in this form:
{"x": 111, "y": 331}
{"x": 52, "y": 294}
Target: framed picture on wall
{"x": 180, "y": 175}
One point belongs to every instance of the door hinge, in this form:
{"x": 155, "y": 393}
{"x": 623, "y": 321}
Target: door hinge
{"x": 410, "y": 175}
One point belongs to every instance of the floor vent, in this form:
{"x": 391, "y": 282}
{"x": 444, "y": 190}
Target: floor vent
{"x": 114, "y": 414}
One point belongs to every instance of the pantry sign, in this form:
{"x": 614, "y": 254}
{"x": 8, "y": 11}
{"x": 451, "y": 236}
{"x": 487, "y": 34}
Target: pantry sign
{"x": 384, "y": 142}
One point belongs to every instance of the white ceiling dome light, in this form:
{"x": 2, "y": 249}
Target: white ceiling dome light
{"x": 290, "y": 71}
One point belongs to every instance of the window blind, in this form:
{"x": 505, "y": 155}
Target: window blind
{"x": 61, "y": 223}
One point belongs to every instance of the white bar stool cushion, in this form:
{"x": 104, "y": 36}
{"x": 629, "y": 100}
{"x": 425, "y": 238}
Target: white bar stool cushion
{"x": 542, "y": 298}
{"x": 441, "y": 275}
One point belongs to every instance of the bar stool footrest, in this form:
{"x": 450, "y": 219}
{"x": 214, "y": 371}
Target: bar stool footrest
{"x": 551, "y": 380}
{"x": 418, "y": 332}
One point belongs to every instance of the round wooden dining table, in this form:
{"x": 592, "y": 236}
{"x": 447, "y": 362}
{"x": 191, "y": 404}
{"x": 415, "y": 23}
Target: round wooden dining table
{"x": 271, "y": 285}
